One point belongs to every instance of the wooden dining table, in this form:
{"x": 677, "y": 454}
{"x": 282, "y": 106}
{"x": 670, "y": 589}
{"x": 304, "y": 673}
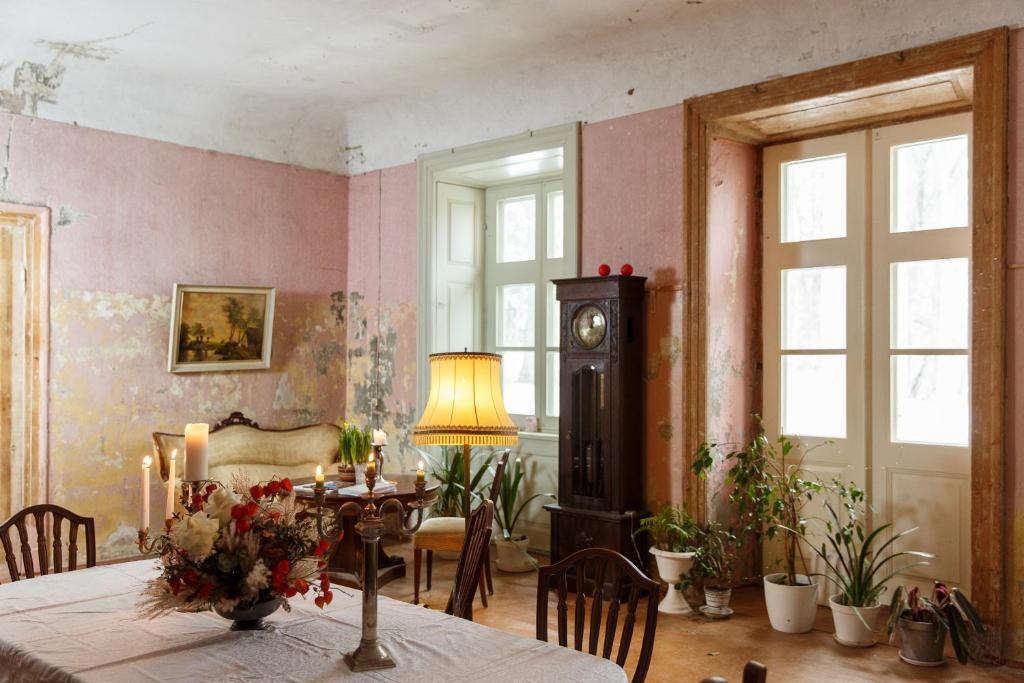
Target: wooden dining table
{"x": 86, "y": 626}
{"x": 345, "y": 564}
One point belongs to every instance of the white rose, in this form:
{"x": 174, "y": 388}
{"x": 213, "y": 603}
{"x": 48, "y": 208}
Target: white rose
{"x": 219, "y": 505}
{"x": 195, "y": 535}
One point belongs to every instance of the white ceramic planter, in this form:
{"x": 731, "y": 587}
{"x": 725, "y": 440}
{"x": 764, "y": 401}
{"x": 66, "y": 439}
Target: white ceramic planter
{"x": 855, "y": 626}
{"x": 512, "y": 555}
{"x": 791, "y": 609}
{"x": 670, "y": 567}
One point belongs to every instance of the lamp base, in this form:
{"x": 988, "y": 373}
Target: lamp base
{"x": 369, "y": 657}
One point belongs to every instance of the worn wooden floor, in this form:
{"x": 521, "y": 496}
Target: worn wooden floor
{"x": 688, "y": 649}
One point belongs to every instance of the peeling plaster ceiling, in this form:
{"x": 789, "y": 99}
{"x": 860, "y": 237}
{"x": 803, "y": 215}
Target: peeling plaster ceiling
{"x": 350, "y": 85}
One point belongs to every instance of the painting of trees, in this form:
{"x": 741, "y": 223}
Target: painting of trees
{"x": 221, "y": 325}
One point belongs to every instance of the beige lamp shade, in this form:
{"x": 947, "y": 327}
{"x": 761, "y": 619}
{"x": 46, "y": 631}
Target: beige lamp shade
{"x": 465, "y": 404}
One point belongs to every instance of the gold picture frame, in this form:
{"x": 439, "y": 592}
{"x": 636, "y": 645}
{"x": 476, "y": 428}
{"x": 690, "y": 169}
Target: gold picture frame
{"x": 218, "y": 328}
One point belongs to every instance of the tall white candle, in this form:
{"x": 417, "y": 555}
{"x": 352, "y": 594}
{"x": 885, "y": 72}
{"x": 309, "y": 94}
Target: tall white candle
{"x": 146, "y": 462}
{"x": 196, "y": 439}
{"x": 171, "y": 486}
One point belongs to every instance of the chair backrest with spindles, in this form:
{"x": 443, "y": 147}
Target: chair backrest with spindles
{"x": 600, "y": 574}
{"x": 49, "y": 542}
{"x": 471, "y": 561}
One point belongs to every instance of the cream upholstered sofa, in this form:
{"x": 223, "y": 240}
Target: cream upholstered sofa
{"x": 238, "y": 443}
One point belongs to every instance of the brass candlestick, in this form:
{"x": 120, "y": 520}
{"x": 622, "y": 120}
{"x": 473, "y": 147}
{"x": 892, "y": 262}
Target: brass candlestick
{"x": 371, "y": 655}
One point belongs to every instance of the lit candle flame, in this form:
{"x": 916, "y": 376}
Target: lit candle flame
{"x": 174, "y": 454}
{"x": 419, "y": 465}
{"x": 147, "y": 461}
{"x": 319, "y": 470}
{"x": 371, "y": 458}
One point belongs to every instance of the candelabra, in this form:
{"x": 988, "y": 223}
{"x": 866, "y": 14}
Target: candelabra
{"x": 371, "y": 655}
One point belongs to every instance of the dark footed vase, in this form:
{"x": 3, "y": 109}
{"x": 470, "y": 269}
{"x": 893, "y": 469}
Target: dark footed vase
{"x": 250, "y": 618}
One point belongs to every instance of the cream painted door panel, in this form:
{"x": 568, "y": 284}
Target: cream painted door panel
{"x": 920, "y": 340}
{"x": 458, "y": 283}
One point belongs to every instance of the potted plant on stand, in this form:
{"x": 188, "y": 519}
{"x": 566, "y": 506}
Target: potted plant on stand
{"x": 856, "y": 567}
{"x": 923, "y": 623}
{"x": 354, "y": 446}
{"x": 671, "y": 531}
{"x": 768, "y": 487}
{"x": 713, "y": 557}
{"x": 512, "y": 555}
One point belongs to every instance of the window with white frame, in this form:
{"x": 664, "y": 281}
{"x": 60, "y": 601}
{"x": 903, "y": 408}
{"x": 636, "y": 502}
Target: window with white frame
{"x": 866, "y": 287}
{"x": 526, "y": 248}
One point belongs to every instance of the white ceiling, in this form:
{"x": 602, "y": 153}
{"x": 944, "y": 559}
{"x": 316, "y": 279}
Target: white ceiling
{"x": 302, "y": 80}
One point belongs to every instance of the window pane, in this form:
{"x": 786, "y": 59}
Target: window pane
{"x": 929, "y": 304}
{"x": 814, "y": 308}
{"x": 814, "y": 395}
{"x": 930, "y": 399}
{"x": 517, "y": 229}
{"x": 814, "y": 199}
{"x": 551, "y": 398}
{"x": 930, "y": 185}
{"x": 515, "y": 315}
{"x": 554, "y": 312}
{"x": 555, "y": 220}
{"x": 517, "y": 382}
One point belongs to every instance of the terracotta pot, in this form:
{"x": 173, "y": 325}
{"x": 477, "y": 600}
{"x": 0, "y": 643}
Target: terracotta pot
{"x": 921, "y": 642}
{"x": 855, "y": 626}
{"x": 671, "y": 566}
{"x": 791, "y": 609}
{"x": 346, "y": 473}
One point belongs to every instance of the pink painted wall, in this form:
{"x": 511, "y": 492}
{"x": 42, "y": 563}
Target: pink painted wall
{"x": 130, "y": 218}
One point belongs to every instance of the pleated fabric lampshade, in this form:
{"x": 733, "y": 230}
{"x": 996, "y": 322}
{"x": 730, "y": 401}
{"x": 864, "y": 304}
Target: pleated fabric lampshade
{"x": 465, "y": 407}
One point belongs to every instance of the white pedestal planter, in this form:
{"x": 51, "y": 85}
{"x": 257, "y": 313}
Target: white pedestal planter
{"x": 512, "y": 555}
{"x": 791, "y": 609}
{"x": 855, "y": 626}
{"x": 670, "y": 567}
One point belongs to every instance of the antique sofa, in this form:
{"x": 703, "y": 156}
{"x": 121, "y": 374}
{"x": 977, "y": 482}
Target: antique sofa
{"x": 238, "y": 443}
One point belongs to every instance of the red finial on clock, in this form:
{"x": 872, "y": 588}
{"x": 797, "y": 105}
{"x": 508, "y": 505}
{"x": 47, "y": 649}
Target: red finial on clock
{"x": 626, "y": 269}
{"x": 604, "y": 269}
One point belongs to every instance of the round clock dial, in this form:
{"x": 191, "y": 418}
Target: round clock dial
{"x": 588, "y": 327}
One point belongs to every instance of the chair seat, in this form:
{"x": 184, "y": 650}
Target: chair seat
{"x": 441, "y": 533}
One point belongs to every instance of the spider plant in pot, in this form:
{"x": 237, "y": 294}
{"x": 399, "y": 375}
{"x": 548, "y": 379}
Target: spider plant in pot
{"x": 671, "y": 531}
{"x": 768, "y": 487}
{"x": 923, "y": 623}
{"x": 859, "y": 564}
{"x": 354, "y": 446}
{"x": 512, "y": 555}
{"x": 713, "y": 557}
{"x": 447, "y": 470}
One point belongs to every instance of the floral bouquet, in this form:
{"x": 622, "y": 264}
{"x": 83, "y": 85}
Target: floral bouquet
{"x": 239, "y": 548}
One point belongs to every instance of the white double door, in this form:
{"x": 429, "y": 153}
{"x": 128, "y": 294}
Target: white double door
{"x": 866, "y": 323}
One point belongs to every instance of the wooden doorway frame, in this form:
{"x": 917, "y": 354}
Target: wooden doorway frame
{"x": 986, "y": 55}
{"x": 35, "y": 221}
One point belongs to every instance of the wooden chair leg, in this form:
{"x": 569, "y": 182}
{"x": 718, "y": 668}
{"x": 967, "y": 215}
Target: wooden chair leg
{"x": 483, "y": 590}
{"x": 430, "y": 567}
{"x": 417, "y": 562}
{"x": 487, "y": 571}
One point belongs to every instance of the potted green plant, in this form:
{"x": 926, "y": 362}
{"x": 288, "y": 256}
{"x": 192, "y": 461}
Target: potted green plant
{"x": 770, "y": 491}
{"x": 923, "y": 623}
{"x": 671, "y": 531}
{"x": 859, "y": 564}
{"x": 447, "y": 470}
{"x": 512, "y": 555}
{"x": 713, "y": 557}
{"x": 354, "y": 446}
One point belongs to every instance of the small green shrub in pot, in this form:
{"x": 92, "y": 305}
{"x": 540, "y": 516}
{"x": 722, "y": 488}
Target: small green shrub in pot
{"x": 672, "y": 531}
{"x": 447, "y": 470}
{"x": 354, "y": 446}
{"x": 512, "y": 555}
{"x": 714, "y": 554}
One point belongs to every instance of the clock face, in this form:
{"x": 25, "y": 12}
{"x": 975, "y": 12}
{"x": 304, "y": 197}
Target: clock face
{"x": 588, "y": 327}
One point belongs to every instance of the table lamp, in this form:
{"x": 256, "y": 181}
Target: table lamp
{"x": 465, "y": 408}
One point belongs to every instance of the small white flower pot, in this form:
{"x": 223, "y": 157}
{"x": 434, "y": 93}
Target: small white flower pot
{"x": 855, "y": 626}
{"x": 512, "y": 555}
{"x": 791, "y": 609}
{"x": 671, "y": 566}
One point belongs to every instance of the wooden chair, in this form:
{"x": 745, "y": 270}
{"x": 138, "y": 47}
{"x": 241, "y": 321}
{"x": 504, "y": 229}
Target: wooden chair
{"x": 753, "y": 672}
{"x": 49, "y": 520}
{"x": 603, "y": 574}
{"x": 468, "y": 575}
{"x": 447, "y": 533}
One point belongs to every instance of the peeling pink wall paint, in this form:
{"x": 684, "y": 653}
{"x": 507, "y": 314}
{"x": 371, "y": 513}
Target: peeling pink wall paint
{"x": 131, "y": 217}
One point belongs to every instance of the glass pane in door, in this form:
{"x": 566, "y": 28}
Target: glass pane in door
{"x": 929, "y": 304}
{"x": 814, "y": 308}
{"x": 517, "y": 229}
{"x": 929, "y": 185}
{"x": 814, "y": 199}
{"x": 814, "y": 395}
{"x": 930, "y": 399}
{"x": 518, "y": 381}
{"x": 515, "y": 315}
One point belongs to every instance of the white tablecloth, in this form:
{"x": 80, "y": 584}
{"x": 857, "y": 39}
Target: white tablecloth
{"x": 85, "y": 626}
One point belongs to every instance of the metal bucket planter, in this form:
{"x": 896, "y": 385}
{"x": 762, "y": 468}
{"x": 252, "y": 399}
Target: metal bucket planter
{"x": 921, "y": 642}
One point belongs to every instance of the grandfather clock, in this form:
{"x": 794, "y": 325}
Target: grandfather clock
{"x": 601, "y": 423}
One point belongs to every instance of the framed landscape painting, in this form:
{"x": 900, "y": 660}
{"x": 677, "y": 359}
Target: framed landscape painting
{"x": 217, "y": 328}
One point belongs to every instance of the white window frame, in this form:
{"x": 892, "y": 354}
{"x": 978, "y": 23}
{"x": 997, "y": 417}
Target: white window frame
{"x": 430, "y": 169}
